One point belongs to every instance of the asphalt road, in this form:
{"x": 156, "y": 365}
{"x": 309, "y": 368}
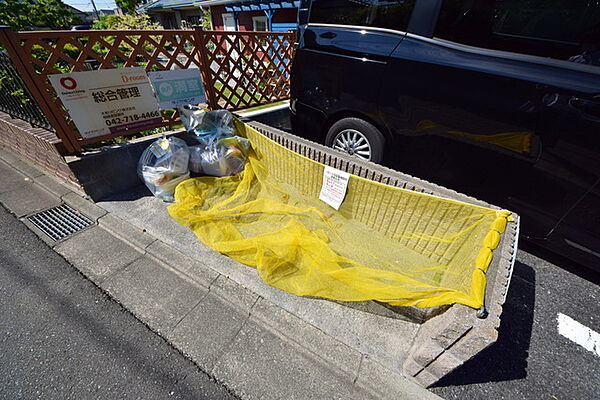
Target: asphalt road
{"x": 62, "y": 338}
{"x": 531, "y": 359}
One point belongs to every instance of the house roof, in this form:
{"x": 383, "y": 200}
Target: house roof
{"x": 248, "y": 5}
{"x": 165, "y": 4}
{"x": 231, "y": 5}
{"x": 201, "y": 3}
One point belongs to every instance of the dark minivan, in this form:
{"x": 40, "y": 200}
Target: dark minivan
{"x": 499, "y": 99}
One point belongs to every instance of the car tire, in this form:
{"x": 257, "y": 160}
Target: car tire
{"x": 350, "y": 136}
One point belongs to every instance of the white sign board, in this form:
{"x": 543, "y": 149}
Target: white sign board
{"x": 335, "y": 184}
{"x": 177, "y": 87}
{"x": 107, "y": 101}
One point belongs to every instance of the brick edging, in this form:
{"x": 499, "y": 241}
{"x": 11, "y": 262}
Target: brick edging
{"x": 38, "y": 146}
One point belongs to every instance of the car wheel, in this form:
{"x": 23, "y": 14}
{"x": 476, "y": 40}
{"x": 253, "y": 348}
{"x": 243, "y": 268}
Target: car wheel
{"x": 356, "y": 137}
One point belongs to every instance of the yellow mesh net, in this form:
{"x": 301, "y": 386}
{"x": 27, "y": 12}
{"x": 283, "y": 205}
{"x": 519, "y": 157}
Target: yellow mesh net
{"x": 385, "y": 243}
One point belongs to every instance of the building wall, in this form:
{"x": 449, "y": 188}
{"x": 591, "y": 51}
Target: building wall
{"x": 172, "y": 19}
{"x": 287, "y": 15}
{"x": 166, "y": 19}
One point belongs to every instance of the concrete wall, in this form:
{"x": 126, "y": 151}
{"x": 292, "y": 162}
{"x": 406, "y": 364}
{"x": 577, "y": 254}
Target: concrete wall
{"x": 113, "y": 169}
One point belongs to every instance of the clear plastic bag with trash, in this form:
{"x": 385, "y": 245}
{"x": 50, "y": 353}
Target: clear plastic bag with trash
{"x": 223, "y": 157}
{"x": 207, "y": 125}
{"x": 219, "y": 152}
{"x": 163, "y": 165}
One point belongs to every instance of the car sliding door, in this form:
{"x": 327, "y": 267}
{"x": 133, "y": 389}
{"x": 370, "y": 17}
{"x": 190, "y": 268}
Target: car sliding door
{"x": 487, "y": 105}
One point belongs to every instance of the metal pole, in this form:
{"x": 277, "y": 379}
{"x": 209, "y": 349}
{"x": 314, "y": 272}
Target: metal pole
{"x": 95, "y": 10}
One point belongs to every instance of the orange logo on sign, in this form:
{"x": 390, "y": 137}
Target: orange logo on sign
{"x": 133, "y": 78}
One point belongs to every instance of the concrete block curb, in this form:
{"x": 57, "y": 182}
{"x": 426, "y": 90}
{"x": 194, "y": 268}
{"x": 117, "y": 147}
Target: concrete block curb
{"x": 169, "y": 256}
{"x": 53, "y": 186}
{"x": 86, "y": 207}
{"x": 285, "y": 324}
{"x": 86, "y": 248}
{"x": 21, "y": 166}
{"x": 126, "y": 232}
{"x": 11, "y": 178}
{"x": 234, "y": 293}
{"x": 383, "y": 383}
{"x": 206, "y": 332}
{"x": 28, "y": 198}
{"x": 261, "y": 365}
{"x": 156, "y": 295}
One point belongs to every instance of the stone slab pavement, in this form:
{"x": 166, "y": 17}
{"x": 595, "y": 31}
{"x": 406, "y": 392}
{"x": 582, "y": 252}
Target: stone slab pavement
{"x": 257, "y": 341}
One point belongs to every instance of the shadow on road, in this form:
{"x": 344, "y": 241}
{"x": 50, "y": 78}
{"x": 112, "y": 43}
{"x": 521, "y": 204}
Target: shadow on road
{"x": 507, "y": 358}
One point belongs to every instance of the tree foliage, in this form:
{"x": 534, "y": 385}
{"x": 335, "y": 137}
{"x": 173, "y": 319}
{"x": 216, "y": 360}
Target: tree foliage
{"x": 128, "y": 6}
{"x": 28, "y": 14}
{"x": 206, "y": 24}
{"x": 126, "y": 22}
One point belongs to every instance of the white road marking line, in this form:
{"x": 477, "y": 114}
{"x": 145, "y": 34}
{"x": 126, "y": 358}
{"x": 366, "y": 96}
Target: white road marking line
{"x": 578, "y": 333}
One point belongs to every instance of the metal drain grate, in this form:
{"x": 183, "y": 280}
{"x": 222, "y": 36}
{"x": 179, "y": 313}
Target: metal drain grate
{"x": 60, "y": 222}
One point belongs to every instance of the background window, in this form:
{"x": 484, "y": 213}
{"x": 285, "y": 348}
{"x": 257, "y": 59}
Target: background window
{"x": 562, "y": 29}
{"x": 194, "y": 20}
{"x": 259, "y": 23}
{"x": 391, "y": 14}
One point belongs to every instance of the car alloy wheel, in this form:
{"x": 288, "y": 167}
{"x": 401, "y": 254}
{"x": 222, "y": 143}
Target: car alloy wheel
{"x": 354, "y": 143}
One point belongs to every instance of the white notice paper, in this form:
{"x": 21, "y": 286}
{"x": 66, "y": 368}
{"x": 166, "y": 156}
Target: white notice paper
{"x": 335, "y": 184}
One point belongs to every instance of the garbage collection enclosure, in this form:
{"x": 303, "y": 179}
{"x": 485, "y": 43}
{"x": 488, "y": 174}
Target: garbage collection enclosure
{"x": 385, "y": 243}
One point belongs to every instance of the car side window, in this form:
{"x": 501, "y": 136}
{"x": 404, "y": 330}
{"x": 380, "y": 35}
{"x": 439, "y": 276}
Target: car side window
{"x": 390, "y": 14}
{"x": 561, "y": 29}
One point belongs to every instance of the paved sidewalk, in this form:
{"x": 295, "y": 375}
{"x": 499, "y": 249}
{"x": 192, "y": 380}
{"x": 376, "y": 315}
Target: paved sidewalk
{"x": 259, "y": 342}
{"x": 62, "y": 338}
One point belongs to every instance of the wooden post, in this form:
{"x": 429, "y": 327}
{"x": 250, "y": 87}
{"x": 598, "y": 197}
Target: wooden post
{"x": 10, "y": 41}
{"x": 205, "y": 71}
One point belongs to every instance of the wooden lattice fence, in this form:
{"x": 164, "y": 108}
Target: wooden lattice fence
{"x": 256, "y": 64}
{"x": 238, "y": 69}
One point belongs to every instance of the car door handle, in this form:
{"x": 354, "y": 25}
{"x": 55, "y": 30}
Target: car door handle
{"x": 328, "y": 35}
{"x": 589, "y": 109}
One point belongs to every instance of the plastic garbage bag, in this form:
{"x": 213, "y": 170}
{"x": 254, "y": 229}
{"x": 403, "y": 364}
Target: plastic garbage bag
{"x": 224, "y": 157}
{"x": 163, "y": 165}
{"x": 219, "y": 151}
{"x": 207, "y": 125}
{"x": 196, "y": 158}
